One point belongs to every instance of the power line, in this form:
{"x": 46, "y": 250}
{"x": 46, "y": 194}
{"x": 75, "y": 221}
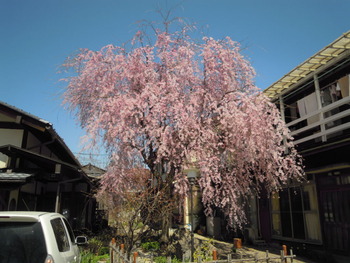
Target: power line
{"x": 100, "y": 160}
{"x": 81, "y": 153}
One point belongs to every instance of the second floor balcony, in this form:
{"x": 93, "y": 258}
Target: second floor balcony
{"x": 314, "y": 97}
{"x": 331, "y": 123}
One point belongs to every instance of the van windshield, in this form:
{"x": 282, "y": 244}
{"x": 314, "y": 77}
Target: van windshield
{"x": 22, "y": 242}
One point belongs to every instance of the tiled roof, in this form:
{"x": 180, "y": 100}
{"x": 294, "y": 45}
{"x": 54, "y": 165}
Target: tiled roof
{"x": 12, "y": 177}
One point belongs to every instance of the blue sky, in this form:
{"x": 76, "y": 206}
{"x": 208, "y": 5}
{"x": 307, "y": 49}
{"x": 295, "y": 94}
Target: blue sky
{"x": 36, "y": 36}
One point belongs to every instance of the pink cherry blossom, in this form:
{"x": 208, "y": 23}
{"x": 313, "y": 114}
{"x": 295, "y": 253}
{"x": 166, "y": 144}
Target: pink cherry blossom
{"x": 178, "y": 101}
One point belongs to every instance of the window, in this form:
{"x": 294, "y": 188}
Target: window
{"x": 276, "y": 216}
{"x": 60, "y": 235}
{"x": 70, "y": 231}
{"x": 294, "y": 213}
{"x": 22, "y": 242}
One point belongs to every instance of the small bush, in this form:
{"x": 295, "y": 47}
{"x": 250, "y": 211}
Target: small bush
{"x": 160, "y": 260}
{"x": 103, "y": 251}
{"x": 164, "y": 260}
{"x": 204, "y": 251}
{"x": 87, "y": 257}
{"x": 150, "y": 246}
{"x": 94, "y": 246}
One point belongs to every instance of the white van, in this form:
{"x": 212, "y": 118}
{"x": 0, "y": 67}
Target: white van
{"x": 37, "y": 237}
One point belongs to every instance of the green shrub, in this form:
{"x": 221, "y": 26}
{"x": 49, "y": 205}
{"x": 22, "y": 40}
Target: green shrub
{"x": 163, "y": 259}
{"x": 88, "y": 257}
{"x": 203, "y": 252}
{"x": 150, "y": 246}
{"x": 103, "y": 251}
{"x": 94, "y": 246}
{"x": 160, "y": 260}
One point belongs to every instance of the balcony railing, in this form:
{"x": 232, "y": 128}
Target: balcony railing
{"x": 331, "y": 120}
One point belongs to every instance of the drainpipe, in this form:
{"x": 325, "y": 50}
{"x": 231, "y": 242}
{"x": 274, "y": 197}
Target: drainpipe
{"x": 57, "y": 205}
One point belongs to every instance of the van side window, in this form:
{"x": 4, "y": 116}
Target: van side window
{"x": 60, "y": 235}
{"x": 70, "y": 231}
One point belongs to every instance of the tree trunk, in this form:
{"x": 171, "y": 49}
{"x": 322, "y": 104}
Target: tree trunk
{"x": 166, "y": 223}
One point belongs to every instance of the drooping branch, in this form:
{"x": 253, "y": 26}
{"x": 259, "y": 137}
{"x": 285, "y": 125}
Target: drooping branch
{"x": 177, "y": 102}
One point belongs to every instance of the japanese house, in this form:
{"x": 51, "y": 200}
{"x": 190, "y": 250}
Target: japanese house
{"x": 38, "y": 172}
{"x": 314, "y": 101}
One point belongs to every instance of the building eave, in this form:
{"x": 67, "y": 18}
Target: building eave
{"x": 328, "y": 55}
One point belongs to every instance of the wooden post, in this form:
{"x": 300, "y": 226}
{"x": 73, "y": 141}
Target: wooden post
{"x": 122, "y": 247}
{"x": 237, "y": 242}
{"x": 285, "y": 253}
{"x": 284, "y": 248}
{"x": 136, "y": 254}
{"x": 319, "y": 106}
{"x": 111, "y": 250}
{"x": 215, "y": 255}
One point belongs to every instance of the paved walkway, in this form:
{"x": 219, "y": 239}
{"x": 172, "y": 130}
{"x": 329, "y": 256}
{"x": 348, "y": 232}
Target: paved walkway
{"x": 273, "y": 253}
{"x": 225, "y": 248}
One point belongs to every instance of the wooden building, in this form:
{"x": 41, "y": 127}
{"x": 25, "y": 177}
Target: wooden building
{"x": 314, "y": 101}
{"x": 38, "y": 172}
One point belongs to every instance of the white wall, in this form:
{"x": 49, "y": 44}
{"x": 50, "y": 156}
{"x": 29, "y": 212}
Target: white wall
{"x": 9, "y": 136}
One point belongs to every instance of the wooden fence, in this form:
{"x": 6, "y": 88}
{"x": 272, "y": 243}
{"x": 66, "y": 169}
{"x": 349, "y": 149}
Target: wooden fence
{"x": 118, "y": 255}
